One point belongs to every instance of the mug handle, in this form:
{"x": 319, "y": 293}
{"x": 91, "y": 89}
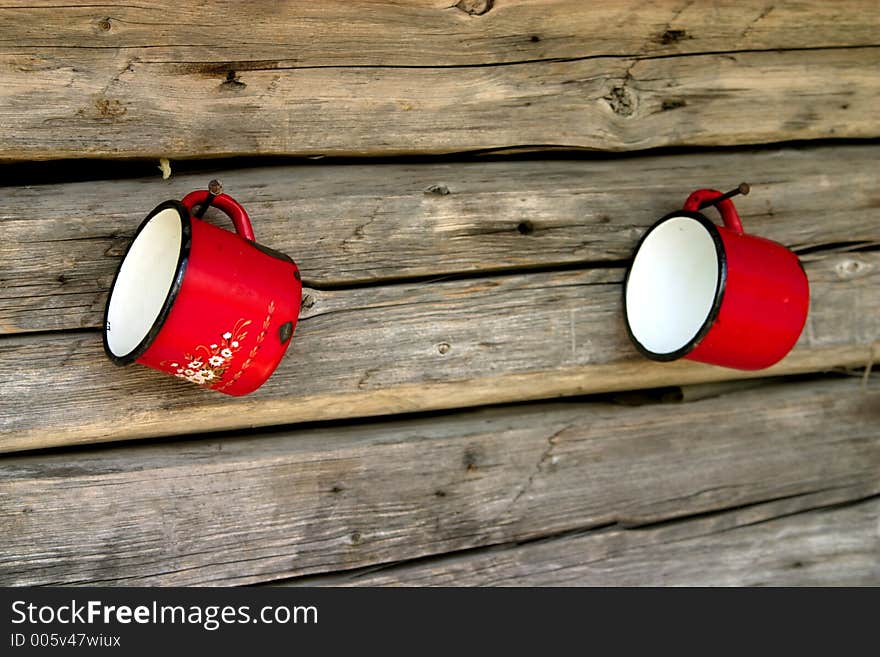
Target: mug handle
{"x": 228, "y": 205}
{"x": 726, "y": 207}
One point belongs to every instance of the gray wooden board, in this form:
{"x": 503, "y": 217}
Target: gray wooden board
{"x": 823, "y": 547}
{"x": 288, "y": 503}
{"x": 410, "y": 347}
{"x": 353, "y": 225}
{"x": 84, "y": 80}
{"x": 428, "y": 33}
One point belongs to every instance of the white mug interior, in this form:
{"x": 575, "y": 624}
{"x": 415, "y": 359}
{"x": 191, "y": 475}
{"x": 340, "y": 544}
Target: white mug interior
{"x": 672, "y": 285}
{"x": 144, "y": 282}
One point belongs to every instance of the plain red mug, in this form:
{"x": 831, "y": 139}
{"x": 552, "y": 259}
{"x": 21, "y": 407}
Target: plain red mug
{"x": 712, "y": 293}
{"x": 201, "y": 303}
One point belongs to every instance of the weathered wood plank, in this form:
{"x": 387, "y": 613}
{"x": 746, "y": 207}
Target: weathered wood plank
{"x": 237, "y": 510}
{"x": 827, "y": 547}
{"x": 409, "y": 347}
{"x": 391, "y": 78}
{"x": 429, "y": 33}
{"x": 360, "y": 224}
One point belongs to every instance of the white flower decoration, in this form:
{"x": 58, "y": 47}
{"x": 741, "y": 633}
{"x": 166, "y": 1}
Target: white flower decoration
{"x": 209, "y": 365}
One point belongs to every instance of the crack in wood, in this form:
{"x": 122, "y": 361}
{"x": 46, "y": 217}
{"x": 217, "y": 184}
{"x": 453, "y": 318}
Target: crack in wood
{"x": 359, "y": 233}
{"x": 756, "y": 20}
{"x": 211, "y": 68}
{"x": 730, "y": 515}
{"x": 546, "y": 454}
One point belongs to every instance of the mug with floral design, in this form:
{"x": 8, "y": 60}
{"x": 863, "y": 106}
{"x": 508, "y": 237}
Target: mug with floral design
{"x": 201, "y": 303}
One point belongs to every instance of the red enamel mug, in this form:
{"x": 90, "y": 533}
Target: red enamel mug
{"x": 712, "y": 293}
{"x": 202, "y": 303}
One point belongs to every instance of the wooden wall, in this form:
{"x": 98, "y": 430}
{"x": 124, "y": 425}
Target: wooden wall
{"x": 479, "y": 176}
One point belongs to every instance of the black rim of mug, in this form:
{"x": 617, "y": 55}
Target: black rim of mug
{"x": 182, "y": 261}
{"x": 720, "y": 286}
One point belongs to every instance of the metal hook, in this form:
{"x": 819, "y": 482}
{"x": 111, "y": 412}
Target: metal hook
{"x": 214, "y": 190}
{"x": 743, "y": 189}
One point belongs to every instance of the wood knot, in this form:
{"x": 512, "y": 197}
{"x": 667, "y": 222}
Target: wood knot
{"x": 443, "y": 348}
{"x": 439, "y": 190}
{"x": 621, "y": 101}
{"x": 356, "y": 538}
{"x": 105, "y": 25}
{"x": 117, "y": 247}
{"x": 471, "y": 458}
{"x": 308, "y": 302}
{"x": 672, "y": 103}
{"x": 673, "y": 36}
{"x": 525, "y": 227}
{"x": 232, "y": 81}
{"x": 475, "y": 7}
{"x": 851, "y": 268}
{"x": 109, "y": 108}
